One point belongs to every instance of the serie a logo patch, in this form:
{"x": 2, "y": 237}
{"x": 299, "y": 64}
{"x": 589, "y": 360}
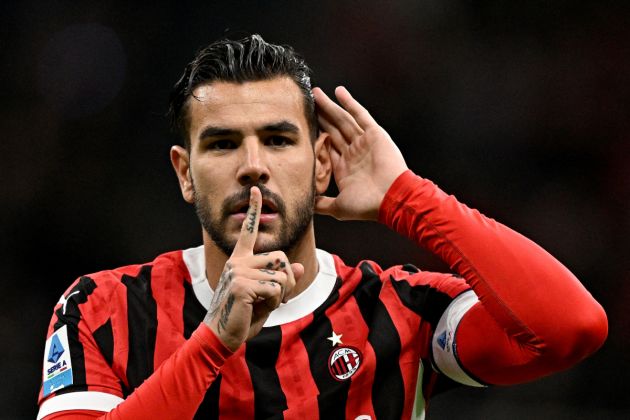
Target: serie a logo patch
{"x": 57, "y": 362}
{"x": 344, "y": 362}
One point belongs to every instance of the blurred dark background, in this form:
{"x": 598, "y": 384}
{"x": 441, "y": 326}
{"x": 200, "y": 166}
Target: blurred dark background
{"x": 520, "y": 110}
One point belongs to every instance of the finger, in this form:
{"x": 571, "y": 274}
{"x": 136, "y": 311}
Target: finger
{"x": 267, "y": 292}
{"x": 336, "y": 115}
{"x": 298, "y": 271}
{"x": 265, "y": 274}
{"x": 249, "y": 231}
{"x": 338, "y": 140}
{"x": 276, "y": 261}
{"x": 358, "y": 112}
{"x": 246, "y": 273}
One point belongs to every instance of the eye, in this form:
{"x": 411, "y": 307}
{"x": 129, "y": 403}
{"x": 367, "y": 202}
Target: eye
{"x": 278, "y": 141}
{"x": 223, "y": 144}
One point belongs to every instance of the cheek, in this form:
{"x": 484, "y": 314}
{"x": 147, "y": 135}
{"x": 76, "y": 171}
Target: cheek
{"x": 298, "y": 175}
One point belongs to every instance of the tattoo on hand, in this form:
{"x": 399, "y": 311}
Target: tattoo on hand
{"x": 252, "y": 218}
{"x": 267, "y": 271}
{"x": 225, "y": 313}
{"x": 221, "y": 291}
{"x": 277, "y": 265}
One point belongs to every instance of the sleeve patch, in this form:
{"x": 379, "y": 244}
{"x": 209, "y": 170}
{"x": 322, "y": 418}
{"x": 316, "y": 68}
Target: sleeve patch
{"x": 444, "y": 339}
{"x": 57, "y": 362}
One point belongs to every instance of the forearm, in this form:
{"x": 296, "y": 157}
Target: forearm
{"x": 177, "y": 387}
{"x": 532, "y": 297}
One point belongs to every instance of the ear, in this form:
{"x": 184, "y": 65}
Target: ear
{"x": 181, "y": 163}
{"x": 323, "y": 164}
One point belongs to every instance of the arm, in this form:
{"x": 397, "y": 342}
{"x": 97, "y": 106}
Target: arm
{"x": 246, "y": 294}
{"x": 533, "y": 316}
{"x": 174, "y": 390}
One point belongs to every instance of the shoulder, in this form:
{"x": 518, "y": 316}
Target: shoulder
{"x": 402, "y": 277}
{"x": 104, "y": 291}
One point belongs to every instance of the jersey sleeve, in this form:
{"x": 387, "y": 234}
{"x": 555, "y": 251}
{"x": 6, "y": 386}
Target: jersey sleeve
{"x": 75, "y": 359}
{"x": 79, "y": 381}
{"x": 532, "y": 317}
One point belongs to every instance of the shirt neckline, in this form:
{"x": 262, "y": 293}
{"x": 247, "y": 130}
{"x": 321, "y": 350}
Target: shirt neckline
{"x": 298, "y": 307}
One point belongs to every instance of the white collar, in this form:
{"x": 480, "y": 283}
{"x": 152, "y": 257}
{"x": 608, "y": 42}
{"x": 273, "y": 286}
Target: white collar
{"x": 301, "y": 305}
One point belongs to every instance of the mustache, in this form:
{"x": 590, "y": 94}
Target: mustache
{"x": 230, "y": 202}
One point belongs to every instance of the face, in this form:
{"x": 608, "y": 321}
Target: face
{"x": 254, "y": 133}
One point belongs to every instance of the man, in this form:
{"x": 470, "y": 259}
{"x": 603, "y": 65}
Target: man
{"x": 259, "y": 323}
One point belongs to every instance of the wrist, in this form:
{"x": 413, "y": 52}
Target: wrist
{"x": 229, "y": 341}
{"x": 392, "y": 198}
{"x": 212, "y": 343}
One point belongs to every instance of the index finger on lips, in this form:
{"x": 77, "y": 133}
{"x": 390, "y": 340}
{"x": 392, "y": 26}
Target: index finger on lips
{"x": 249, "y": 230}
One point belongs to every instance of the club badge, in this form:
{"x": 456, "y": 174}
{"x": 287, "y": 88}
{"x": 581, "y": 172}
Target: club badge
{"x": 344, "y": 362}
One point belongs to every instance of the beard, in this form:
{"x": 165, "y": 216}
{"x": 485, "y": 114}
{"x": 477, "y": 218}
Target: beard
{"x": 292, "y": 227}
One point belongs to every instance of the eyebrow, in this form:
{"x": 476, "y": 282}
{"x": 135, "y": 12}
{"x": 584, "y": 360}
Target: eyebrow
{"x": 278, "y": 127}
{"x": 212, "y": 131}
{"x": 282, "y": 126}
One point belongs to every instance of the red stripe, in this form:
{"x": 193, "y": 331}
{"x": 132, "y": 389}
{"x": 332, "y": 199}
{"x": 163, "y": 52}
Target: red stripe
{"x": 167, "y": 279}
{"x": 236, "y": 398}
{"x": 344, "y": 321}
{"x": 95, "y": 313}
{"x": 294, "y": 375}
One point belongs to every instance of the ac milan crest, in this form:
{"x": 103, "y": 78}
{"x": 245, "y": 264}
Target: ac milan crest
{"x": 344, "y": 362}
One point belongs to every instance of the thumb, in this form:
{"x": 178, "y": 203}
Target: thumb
{"x": 325, "y": 205}
{"x": 298, "y": 271}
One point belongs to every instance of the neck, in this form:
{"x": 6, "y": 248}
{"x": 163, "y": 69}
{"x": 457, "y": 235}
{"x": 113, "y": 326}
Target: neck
{"x": 303, "y": 252}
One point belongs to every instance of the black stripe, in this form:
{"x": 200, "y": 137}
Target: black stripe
{"x": 209, "y": 408}
{"x": 261, "y": 355}
{"x": 388, "y": 391}
{"x": 104, "y": 337}
{"x": 426, "y": 301}
{"x": 85, "y": 286}
{"x": 410, "y": 268}
{"x": 105, "y": 340}
{"x": 193, "y": 311}
{"x": 333, "y": 394}
{"x": 142, "y": 321}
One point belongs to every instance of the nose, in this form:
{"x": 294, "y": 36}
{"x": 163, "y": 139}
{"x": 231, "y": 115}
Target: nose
{"x": 253, "y": 167}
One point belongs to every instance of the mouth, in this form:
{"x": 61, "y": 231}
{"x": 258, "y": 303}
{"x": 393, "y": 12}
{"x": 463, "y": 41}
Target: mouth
{"x": 268, "y": 207}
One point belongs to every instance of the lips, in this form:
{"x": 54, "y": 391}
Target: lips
{"x": 268, "y": 207}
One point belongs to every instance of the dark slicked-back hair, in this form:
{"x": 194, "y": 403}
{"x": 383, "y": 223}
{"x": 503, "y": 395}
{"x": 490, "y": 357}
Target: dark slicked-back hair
{"x": 246, "y": 60}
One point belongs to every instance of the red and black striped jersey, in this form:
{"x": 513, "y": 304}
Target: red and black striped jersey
{"x": 356, "y": 342}
{"x": 359, "y": 342}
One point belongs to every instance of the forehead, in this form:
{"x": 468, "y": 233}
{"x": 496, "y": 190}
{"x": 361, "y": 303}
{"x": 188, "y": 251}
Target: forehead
{"x": 246, "y": 106}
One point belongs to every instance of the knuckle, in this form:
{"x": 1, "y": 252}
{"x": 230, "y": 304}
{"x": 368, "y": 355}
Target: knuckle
{"x": 238, "y": 286}
{"x": 279, "y": 255}
{"x": 236, "y": 272}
